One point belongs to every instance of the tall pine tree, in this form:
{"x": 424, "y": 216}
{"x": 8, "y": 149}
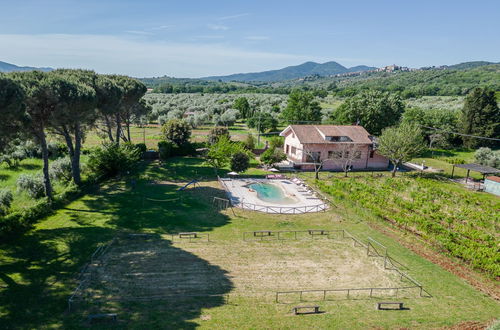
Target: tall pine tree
{"x": 481, "y": 117}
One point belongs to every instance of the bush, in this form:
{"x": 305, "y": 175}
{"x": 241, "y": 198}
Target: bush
{"x": 111, "y": 160}
{"x": 57, "y": 149}
{"x": 5, "y": 201}
{"x": 60, "y": 169}
{"x": 186, "y": 149}
{"x": 240, "y": 162}
{"x": 250, "y": 142}
{"x": 215, "y": 133}
{"x": 176, "y": 131}
{"x": 165, "y": 149}
{"x": 142, "y": 148}
{"x": 272, "y": 156}
{"x": 488, "y": 157}
{"x": 32, "y": 184}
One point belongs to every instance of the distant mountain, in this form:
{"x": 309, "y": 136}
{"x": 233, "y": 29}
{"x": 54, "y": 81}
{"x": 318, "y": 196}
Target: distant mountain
{"x": 291, "y": 72}
{"x": 7, "y": 67}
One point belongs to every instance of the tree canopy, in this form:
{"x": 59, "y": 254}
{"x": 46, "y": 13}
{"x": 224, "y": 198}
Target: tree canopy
{"x": 301, "y": 107}
{"x": 481, "y": 117}
{"x": 11, "y": 110}
{"x": 371, "y": 109}
{"x": 401, "y": 143}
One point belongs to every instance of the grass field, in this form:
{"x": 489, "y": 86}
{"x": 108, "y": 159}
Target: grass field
{"x": 442, "y": 160}
{"x": 9, "y": 176}
{"x": 38, "y": 270}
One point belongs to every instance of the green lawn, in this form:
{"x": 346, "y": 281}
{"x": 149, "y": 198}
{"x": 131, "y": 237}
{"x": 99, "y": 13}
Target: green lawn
{"x": 38, "y": 270}
{"x": 443, "y": 159}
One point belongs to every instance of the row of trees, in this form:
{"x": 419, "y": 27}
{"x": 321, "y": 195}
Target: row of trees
{"x": 67, "y": 103}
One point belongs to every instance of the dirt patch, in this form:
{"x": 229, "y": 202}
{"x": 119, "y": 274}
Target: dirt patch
{"x": 141, "y": 269}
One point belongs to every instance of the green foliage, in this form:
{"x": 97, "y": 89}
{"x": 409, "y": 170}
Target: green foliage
{"x": 142, "y": 147}
{"x": 371, "y": 109}
{"x": 401, "y": 143}
{"x": 488, "y": 157}
{"x": 446, "y": 120}
{"x": 112, "y": 159}
{"x": 250, "y": 142}
{"x": 241, "y": 104}
{"x": 215, "y": 133}
{"x": 457, "y": 220}
{"x": 301, "y": 107}
{"x": 264, "y": 122}
{"x": 60, "y": 169}
{"x": 220, "y": 153}
{"x": 6, "y": 199}
{"x": 240, "y": 162}
{"x": 480, "y": 117}
{"x": 276, "y": 142}
{"x": 272, "y": 156}
{"x": 11, "y": 110}
{"x": 32, "y": 185}
{"x": 165, "y": 149}
{"x": 176, "y": 131}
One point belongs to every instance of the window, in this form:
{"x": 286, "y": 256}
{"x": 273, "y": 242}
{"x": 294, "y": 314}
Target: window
{"x": 287, "y": 149}
{"x": 334, "y": 154}
{"x": 371, "y": 153}
{"x": 338, "y": 138}
{"x": 357, "y": 155}
{"x": 346, "y": 154}
{"x": 293, "y": 135}
{"x": 294, "y": 150}
{"x": 313, "y": 157}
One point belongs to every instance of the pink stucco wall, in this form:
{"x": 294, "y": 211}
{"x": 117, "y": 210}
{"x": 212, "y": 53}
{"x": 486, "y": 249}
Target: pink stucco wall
{"x": 364, "y": 162}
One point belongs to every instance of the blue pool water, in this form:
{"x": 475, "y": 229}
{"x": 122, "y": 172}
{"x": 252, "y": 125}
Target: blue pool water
{"x": 271, "y": 193}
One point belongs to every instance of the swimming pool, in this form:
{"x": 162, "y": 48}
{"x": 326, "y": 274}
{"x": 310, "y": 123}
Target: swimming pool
{"x": 271, "y": 193}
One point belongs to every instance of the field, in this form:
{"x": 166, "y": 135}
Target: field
{"x": 39, "y": 270}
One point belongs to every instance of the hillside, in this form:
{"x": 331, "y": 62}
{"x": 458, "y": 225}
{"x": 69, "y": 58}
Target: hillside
{"x": 7, "y": 67}
{"x": 291, "y": 72}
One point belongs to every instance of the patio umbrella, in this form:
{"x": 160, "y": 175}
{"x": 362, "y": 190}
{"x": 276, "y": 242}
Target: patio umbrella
{"x": 274, "y": 170}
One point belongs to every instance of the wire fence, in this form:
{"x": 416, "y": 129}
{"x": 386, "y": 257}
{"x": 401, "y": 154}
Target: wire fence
{"x": 373, "y": 249}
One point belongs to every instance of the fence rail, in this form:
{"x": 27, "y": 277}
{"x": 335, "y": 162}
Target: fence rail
{"x": 273, "y": 209}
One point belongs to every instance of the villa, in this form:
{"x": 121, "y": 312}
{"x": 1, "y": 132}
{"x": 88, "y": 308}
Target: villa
{"x": 333, "y": 145}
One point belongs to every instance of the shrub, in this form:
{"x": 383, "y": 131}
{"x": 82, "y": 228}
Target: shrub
{"x": 215, "y": 133}
{"x": 57, "y": 149}
{"x": 5, "y": 201}
{"x": 165, "y": 149}
{"x": 60, "y": 169}
{"x": 142, "y": 147}
{"x": 250, "y": 142}
{"x": 32, "y": 184}
{"x": 240, "y": 162}
{"x": 272, "y": 156}
{"x": 176, "y": 131}
{"x": 111, "y": 159}
{"x": 186, "y": 149}
{"x": 488, "y": 157}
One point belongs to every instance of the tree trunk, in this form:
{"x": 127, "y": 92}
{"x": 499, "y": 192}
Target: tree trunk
{"x": 108, "y": 128}
{"x": 75, "y": 161}
{"x": 118, "y": 128}
{"x": 45, "y": 156}
{"x": 393, "y": 173}
{"x": 128, "y": 131}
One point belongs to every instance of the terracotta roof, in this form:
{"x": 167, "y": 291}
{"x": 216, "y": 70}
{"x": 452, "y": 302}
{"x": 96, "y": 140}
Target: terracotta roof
{"x": 315, "y": 133}
{"x": 493, "y": 178}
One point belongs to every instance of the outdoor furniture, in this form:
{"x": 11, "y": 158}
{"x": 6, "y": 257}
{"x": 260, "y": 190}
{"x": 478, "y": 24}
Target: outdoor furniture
{"x": 97, "y": 317}
{"x": 305, "y": 309}
{"x": 314, "y": 232}
{"x": 398, "y": 304}
{"x": 188, "y": 235}
{"x": 262, "y": 233}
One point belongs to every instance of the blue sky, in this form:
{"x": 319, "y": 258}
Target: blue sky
{"x": 200, "y": 38}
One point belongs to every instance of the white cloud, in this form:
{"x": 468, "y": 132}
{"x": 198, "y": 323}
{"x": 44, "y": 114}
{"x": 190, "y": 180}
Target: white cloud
{"x": 138, "y": 32}
{"x": 257, "y": 38}
{"x": 217, "y": 27}
{"x": 224, "y": 18}
{"x": 138, "y": 57}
